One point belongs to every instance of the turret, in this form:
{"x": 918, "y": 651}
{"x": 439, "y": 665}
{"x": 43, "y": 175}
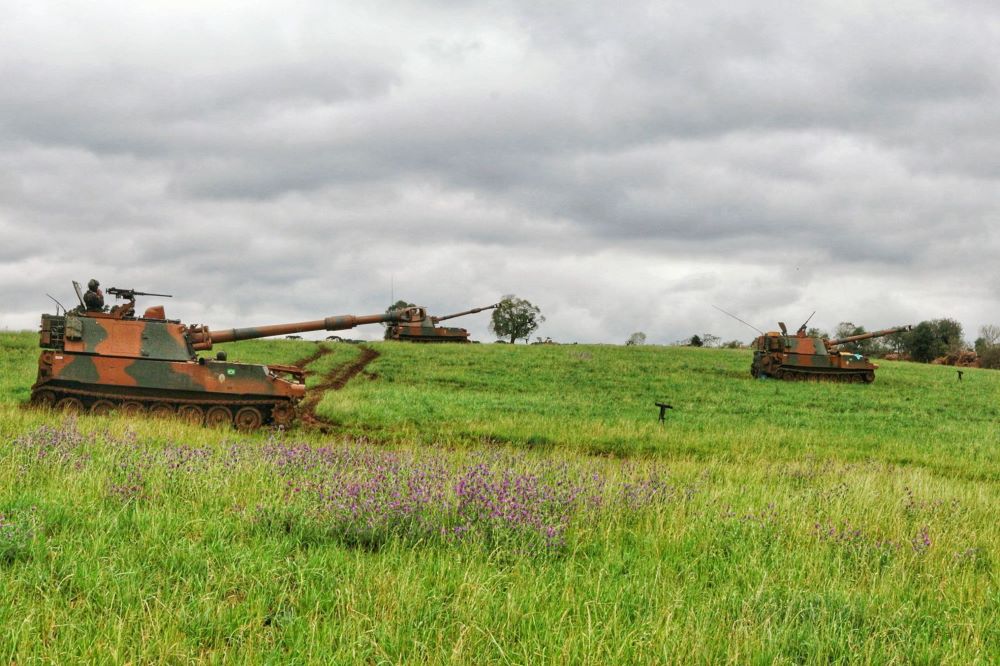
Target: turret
{"x": 867, "y": 336}
{"x": 118, "y": 333}
{"x": 462, "y": 314}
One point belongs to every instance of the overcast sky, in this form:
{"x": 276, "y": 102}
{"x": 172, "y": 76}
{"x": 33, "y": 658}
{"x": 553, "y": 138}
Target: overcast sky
{"x": 624, "y": 166}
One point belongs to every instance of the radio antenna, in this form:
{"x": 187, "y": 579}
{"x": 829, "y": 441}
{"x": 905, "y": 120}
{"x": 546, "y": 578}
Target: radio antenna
{"x": 58, "y": 304}
{"x": 738, "y": 319}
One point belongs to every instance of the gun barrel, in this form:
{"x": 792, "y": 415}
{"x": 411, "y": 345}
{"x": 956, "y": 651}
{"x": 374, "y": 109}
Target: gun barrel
{"x": 866, "y": 336}
{"x": 202, "y": 338}
{"x": 465, "y": 312}
{"x": 129, "y": 294}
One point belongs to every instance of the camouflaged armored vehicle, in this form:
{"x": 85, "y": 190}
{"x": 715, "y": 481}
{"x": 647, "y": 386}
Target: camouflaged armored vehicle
{"x": 428, "y": 330}
{"x": 802, "y": 356}
{"x": 104, "y": 360}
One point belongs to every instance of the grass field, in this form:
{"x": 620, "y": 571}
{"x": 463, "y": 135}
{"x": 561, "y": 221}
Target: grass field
{"x": 490, "y": 503}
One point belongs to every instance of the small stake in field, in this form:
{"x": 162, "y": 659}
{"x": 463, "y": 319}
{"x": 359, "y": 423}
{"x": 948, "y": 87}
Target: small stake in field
{"x": 663, "y": 410}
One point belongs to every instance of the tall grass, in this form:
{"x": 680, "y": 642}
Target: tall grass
{"x": 600, "y": 399}
{"x": 763, "y": 522}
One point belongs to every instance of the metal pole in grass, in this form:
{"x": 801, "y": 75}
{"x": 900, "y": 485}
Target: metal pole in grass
{"x": 663, "y": 411}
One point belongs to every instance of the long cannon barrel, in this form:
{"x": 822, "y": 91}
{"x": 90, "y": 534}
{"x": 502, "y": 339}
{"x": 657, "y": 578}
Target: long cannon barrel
{"x": 866, "y": 336}
{"x": 202, "y": 338}
{"x": 466, "y": 312}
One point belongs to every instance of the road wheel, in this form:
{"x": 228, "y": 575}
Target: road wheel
{"x": 44, "y": 398}
{"x": 102, "y": 407}
{"x": 161, "y": 410}
{"x": 70, "y": 405}
{"x": 218, "y": 415}
{"x": 869, "y": 377}
{"x": 249, "y": 418}
{"x": 132, "y": 408}
{"x": 192, "y": 414}
{"x": 283, "y": 414}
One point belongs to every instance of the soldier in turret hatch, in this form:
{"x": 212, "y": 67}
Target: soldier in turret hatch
{"x": 94, "y": 298}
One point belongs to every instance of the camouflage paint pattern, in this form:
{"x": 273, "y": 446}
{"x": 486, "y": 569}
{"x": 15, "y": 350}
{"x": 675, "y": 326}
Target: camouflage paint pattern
{"x": 106, "y": 360}
{"x": 427, "y": 330}
{"x": 427, "y": 333}
{"x": 800, "y": 356}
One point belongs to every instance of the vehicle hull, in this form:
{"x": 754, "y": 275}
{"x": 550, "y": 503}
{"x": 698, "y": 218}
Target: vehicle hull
{"x": 101, "y": 384}
{"x": 432, "y": 334}
{"x": 802, "y": 357}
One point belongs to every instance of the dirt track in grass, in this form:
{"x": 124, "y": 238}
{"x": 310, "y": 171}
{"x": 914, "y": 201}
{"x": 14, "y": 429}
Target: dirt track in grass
{"x": 334, "y": 380}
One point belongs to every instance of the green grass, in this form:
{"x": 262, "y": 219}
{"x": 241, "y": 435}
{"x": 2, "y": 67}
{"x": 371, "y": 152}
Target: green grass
{"x": 600, "y": 400}
{"x": 807, "y": 522}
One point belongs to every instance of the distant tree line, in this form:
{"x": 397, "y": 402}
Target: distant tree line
{"x": 987, "y": 346}
{"x": 710, "y": 341}
{"x": 703, "y": 340}
{"x": 636, "y": 339}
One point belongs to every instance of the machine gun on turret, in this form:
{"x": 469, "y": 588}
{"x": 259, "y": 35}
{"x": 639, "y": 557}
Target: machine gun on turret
{"x": 127, "y": 309}
{"x": 130, "y": 294}
{"x": 802, "y": 328}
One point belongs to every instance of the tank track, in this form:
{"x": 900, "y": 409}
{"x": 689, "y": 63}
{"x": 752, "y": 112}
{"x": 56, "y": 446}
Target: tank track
{"x": 245, "y": 414}
{"x": 431, "y": 339}
{"x": 797, "y": 375}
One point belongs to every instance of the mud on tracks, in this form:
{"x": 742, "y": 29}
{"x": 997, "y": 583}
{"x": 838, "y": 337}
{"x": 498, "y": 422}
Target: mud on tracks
{"x": 334, "y": 380}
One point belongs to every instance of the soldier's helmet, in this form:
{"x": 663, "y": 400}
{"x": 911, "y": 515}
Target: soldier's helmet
{"x": 93, "y": 284}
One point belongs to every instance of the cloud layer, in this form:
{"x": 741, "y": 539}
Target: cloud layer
{"x": 623, "y": 167}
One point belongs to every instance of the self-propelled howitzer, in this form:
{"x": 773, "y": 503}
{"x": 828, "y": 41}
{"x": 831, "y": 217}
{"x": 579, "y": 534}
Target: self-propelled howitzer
{"x": 100, "y": 361}
{"x": 802, "y": 356}
{"x": 427, "y": 329}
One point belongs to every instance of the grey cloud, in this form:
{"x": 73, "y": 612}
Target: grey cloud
{"x": 618, "y": 163}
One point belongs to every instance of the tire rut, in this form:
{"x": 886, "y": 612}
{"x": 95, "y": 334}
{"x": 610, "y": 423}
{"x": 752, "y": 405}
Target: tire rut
{"x": 320, "y": 352}
{"x": 334, "y": 380}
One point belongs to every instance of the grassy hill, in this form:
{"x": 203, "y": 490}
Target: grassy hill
{"x": 490, "y": 503}
{"x": 600, "y": 400}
